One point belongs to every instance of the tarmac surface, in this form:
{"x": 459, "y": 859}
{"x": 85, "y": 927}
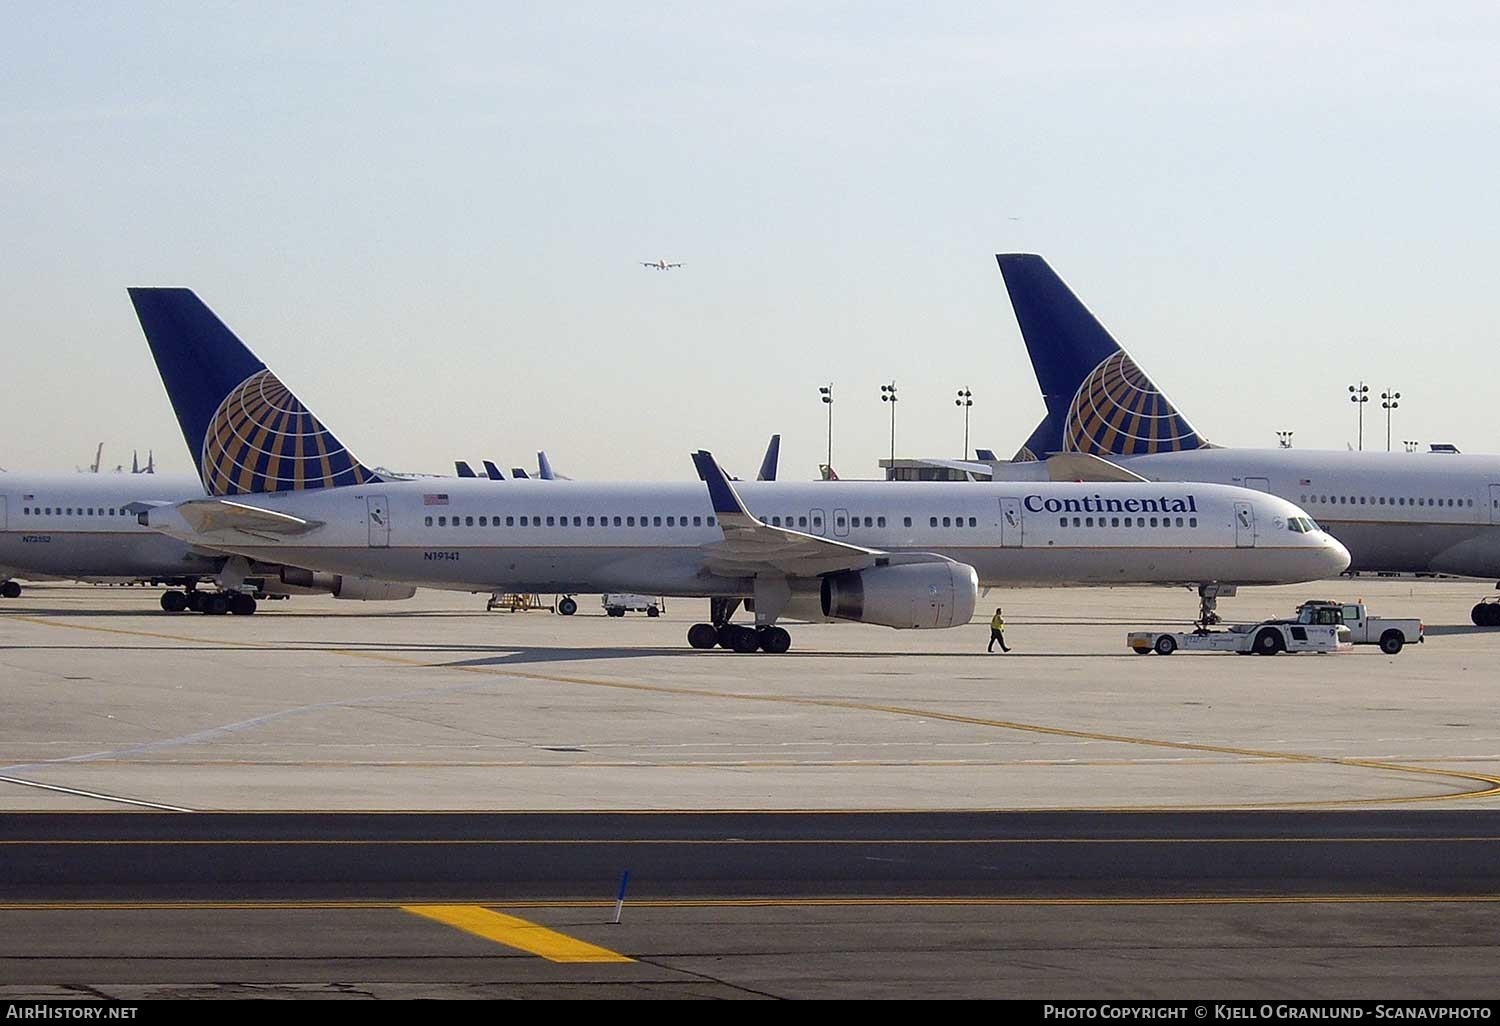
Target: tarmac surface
{"x": 867, "y": 815}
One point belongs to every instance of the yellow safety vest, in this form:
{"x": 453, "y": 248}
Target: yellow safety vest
{"x": 997, "y": 623}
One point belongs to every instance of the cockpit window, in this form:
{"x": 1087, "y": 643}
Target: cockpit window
{"x": 1301, "y": 525}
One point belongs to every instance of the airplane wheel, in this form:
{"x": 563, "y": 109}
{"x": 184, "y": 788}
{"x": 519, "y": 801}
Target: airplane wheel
{"x": 216, "y": 604}
{"x": 567, "y": 607}
{"x": 10, "y": 589}
{"x": 652, "y": 611}
{"x": 194, "y": 600}
{"x": 1267, "y": 642}
{"x": 173, "y": 601}
{"x": 1477, "y": 614}
{"x": 725, "y": 635}
{"x": 241, "y": 604}
{"x": 774, "y": 640}
{"x": 703, "y": 635}
{"x": 746, "y": 640}
{"x": 1165, "y": 645}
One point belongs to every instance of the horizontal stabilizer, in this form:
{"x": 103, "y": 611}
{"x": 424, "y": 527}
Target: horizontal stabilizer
{"x": 1079, "y": 466}
{"x": 208, "y": 515}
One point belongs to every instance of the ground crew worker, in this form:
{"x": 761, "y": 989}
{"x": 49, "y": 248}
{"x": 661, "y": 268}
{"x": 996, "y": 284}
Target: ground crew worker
{"x": 997, "y": 631}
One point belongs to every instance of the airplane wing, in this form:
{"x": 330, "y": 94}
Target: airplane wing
{"x": 1080, "y": 466}
{"x": 751, "y": 547}
{"x": 208, "y": 515}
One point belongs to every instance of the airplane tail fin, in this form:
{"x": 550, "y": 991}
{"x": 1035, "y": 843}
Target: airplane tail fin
{"x": 1098, "y": 400}
{"x": 463, "y": 469}
{"x": 492, "y": 472}
{"x": 544, "y": 467}
{"x": 246, "y": 431}
{"x": 519, "y": 473}
{"x": 772, "y": 457}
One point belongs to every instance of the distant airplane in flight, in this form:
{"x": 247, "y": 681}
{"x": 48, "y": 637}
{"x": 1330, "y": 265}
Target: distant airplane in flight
{"x": 660, "y": 265}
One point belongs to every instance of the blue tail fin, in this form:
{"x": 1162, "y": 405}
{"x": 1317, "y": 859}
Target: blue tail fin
{"x": 519, "y": 473}
{"x": 463, "y": 469}
{"x": 772, "y": 457}
{"x": 985, "y": 455}
{"x": 492, "y": 472}
{"x": 244, "y": 428}
{"x": 1098, "y": 400}
{"x": 544, "y": 467}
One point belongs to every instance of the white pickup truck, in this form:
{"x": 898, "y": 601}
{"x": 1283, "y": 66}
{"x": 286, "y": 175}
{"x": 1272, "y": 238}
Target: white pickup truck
{"x": 1269, "y": 637}
{"x": 1390, "y": 633}
{"x": 617, "y": 604}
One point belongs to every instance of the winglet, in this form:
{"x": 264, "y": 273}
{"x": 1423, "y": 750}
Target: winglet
{"x": 492, "y": 472}
{"x": 720, "y": 492}
{"x": 463, "y": 469}
{"x": 772, "y": 457}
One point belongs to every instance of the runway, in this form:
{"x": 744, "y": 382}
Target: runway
{"x": 423, "y": 799}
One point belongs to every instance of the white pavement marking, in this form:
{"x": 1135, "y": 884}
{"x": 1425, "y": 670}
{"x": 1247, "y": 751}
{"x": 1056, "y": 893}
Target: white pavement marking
{"x": 93, "y": 794}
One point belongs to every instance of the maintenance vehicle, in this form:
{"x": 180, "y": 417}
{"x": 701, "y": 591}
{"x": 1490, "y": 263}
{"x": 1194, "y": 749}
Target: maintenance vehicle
{"x": 619, "y": 603}
{"x": 1390, "y": 633}
{"x": 1269, "y": 637}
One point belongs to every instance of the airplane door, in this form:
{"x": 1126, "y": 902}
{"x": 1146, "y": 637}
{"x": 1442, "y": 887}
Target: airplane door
{"x": 815, "y": 522}
{"x": 841, "y": 523}
{"x": 1244, "y": 525}
{"x": 1494, "y": 506}
{"x": 1010, "y": 523}
{"x": 1260, "y": 484}
{"x": 378, "y": 515}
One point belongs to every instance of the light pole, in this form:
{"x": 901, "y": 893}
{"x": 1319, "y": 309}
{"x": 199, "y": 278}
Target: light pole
{"x": 1410, "y": 444}
{"x": 1389, "y": 403}
{"x": 827, "y": 395}
{"x": 1284, "y": 438}
{"x": 888, "y": 395}
{"x": 1360, "y": 395}
{"x": 966, "y": 400}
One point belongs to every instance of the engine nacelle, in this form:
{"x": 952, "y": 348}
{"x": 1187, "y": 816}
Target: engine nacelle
{"x": 358, "y": 589}
{"x": 908, "y": 595}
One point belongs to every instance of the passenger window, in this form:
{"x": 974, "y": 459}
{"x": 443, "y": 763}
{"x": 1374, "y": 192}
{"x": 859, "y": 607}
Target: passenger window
{"x": 817, "y": 521}
{"x": 1153, "y": 521}
{"x": 973, "y": 522}
{"x": 1062, "y": 521}
{"x": 630, "y": 521}
{"x": 484, "y": 522}
{"x": 1088, "y": 521}
{"x": 429, "y": 522}
{"x": 945, "y": 522}
{"x": 710, "y": 521}
{"x": 697, "y": 521}
{"x": 1192, "y": 521}
{"x": 525, "y": 522}
{"x": 672, "y": 521}
{"x": 880, "y": 521}
{"x": 1114, "y": 521}
{"x": 468, "y": 521}
{"x": 442, "y": 521}
{"x": 906, "y": 521}
{"x": 591, "y": 521}
{"x": 801, "y": 521}
{"x": 655, "y": 521}
{"x": 617, "y": 521}
{"x": 932, "y": 521}
{"x": 1077, "y": 522}
{"x": 510, "y": 521}
{"x": 1179, "y": 521}
{"x": 838, "y": 520}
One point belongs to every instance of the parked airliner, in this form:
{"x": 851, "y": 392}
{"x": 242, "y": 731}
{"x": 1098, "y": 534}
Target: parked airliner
{"x": 1405, "y": 512}
{"x": 282, "y": 488}
{"x": 84, "y": 527}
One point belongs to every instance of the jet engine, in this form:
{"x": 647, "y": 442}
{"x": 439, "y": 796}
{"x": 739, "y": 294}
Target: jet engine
{"x": 361, "y": 589}
{"x": 908, "y": 595}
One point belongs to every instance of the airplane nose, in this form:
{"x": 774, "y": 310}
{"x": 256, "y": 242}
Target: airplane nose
{"x": 1335, "y": 554}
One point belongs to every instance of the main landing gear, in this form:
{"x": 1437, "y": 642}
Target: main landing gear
{"x": 723, "y": 634}
{"x": 212, "y": 603}
{"x": 10, "y": 589}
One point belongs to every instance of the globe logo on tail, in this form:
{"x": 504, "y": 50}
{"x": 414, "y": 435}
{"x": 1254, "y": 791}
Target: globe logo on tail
{"x": 1118, "y": 411}
{"x": 262, "y": 439}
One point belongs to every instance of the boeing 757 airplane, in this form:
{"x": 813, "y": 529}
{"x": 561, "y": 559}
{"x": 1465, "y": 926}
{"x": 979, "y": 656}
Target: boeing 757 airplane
{"x": 281, "y": 488}
{"x": 1409, "y": 512}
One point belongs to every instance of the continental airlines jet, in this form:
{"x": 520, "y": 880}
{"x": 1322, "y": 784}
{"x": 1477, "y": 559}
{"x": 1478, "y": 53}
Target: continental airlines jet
{"x": 282, "y": 488}
{"x": 83, "y": 527}
{"x": 1411, "y": 512}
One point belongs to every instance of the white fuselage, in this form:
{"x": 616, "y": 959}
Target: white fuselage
{"x": 76, "y": 527}
{"x": 1405, "y": 512}
{"x": 568, "y": 536}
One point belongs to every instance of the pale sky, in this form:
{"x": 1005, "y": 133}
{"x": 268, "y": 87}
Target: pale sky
{"x": 428, "y": 219}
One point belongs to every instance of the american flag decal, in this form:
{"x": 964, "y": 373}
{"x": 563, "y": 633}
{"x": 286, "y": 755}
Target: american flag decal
{"x": 28, "y": 497}
{"x": 1305, "y": 480}
{"x": 440, "y": 499}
